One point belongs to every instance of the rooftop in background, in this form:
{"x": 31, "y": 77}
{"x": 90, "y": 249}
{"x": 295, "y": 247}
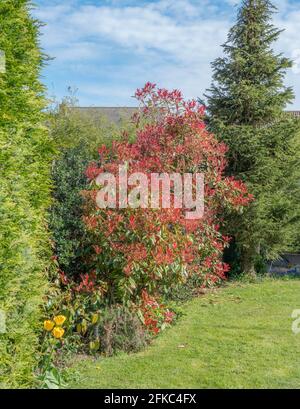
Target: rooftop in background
{"x": 295, "y": 113}
{"x": 115, "y": 114}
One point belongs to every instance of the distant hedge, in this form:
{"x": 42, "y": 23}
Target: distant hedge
{"x": 25, "y": 155}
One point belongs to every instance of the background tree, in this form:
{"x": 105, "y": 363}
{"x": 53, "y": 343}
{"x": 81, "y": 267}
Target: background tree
{"x": 25, "y": 155}
{"x": 245, "y": 110}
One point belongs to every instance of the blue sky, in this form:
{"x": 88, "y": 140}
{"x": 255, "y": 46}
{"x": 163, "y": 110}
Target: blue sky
{"x": 106, "y": 49}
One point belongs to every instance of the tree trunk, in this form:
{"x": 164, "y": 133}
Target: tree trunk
{"x": 248, "y": 260}
{"x": 248, "y": 265}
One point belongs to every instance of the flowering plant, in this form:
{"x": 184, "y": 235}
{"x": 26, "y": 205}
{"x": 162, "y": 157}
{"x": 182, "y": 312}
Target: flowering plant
{"x": 55, "y": 326}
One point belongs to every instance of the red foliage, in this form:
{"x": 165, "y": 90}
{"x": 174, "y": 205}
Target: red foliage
{"x": 155, "y": 314}
{"x": 152, "y": 250}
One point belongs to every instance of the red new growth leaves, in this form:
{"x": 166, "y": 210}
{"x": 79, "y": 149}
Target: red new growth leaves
{"x": 152, "y": 250}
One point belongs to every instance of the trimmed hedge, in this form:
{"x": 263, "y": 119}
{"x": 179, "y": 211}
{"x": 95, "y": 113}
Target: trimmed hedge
{"x": 25, "y": 155}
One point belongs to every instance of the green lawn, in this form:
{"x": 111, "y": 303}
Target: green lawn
{"x": 237, "y": 337}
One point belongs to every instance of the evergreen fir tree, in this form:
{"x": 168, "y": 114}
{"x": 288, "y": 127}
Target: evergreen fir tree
{"x": 246, "y": 105}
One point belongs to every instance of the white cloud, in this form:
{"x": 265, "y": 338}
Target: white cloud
{"x": 144, "y": 29}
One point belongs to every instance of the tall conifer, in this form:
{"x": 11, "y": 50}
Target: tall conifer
{"x": 25, "y": 155}
{"x": 246, "y": 105}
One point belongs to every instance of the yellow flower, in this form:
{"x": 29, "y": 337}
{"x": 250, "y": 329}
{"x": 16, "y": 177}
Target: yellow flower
{"x": 48, "y": 325}
{"x": 95, "y": 318}
{"x": 59, "y": 320}
{"x": 58, "y": 332}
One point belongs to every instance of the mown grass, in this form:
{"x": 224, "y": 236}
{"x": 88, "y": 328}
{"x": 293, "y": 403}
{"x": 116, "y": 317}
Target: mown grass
{"x": 237, "y": 337}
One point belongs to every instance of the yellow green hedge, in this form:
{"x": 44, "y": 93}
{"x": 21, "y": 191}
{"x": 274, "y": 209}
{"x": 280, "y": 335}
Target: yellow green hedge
{"x": 25, "y": 156}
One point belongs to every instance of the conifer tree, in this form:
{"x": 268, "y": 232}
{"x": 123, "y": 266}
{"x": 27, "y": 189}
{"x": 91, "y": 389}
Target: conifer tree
{"x": 246, "y": 105}
{"x": 25, "y": 155}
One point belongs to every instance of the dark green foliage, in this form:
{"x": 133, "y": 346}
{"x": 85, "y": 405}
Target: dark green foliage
{"x": 25, "y": 154}
{"x": 78, "y": 137}
{"x": 66, "y": 212}
{"x": 248, "y": 82}
{"x": 245, "y": 110}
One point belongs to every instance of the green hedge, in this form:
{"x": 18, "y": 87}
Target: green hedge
{"x": 25, "y": 155}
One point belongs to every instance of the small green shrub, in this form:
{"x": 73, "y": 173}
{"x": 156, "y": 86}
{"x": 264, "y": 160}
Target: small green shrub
{"x": 120, "y": 329}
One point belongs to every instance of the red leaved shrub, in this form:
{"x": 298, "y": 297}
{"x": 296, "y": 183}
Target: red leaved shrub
{"x": 140, "y": 251}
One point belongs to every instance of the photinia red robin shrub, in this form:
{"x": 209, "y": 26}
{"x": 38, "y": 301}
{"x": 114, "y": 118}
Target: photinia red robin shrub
{"x": 146, "y": 250}
{"x": 155, "y": 316}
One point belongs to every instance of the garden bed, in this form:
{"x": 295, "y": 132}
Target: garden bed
{"x": 237, "y": 337}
